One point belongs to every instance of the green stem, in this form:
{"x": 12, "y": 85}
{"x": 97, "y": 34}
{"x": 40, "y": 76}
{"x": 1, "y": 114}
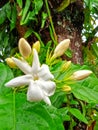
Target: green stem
{"x": 14, "y": 114}
{"x": 71, "y": 119}
{"x": 71, "y": 126}
{"x": 51, "y": 22}
{"x": 83, "y": 107}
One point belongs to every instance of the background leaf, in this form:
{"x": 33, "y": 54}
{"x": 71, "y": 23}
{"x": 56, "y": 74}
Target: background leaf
{"x": 33, "y": 115}
{"x": 75, "y": 112}
{"x": 6, "y": 99}
{"x": 5, "y": 75}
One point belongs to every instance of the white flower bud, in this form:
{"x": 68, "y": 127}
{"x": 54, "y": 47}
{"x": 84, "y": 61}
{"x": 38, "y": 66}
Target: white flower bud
{"x": 81, "y": 74}
{"x": 61, "y": 48}
{"x": 24, "y": 48}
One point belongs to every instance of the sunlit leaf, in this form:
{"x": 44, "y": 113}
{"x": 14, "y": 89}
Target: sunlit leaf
{"x": 20, "y": 3}
{"x": 85, "y": 94}
{"x": 75, "y": 112}
{"x": 28, "y": 33}
{"x": 25, "y": 10}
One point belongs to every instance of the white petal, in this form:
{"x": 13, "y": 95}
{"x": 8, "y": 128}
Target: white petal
{"x": 47, "y": 86}
{"x": 47, "y": 100}
{"x": 19, "y": 81}
{"x": 44, "y": 73}
{"x": 23, "y": 65}
{"x": 36, "y": 63}
{"x": 34, "y": 92}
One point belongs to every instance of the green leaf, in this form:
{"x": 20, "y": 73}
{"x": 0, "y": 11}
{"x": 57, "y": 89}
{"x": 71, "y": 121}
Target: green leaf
{"x": 95, "y": 49}
{"x": 44, "y": 17}
{"x": 28, "y": 33}
{"x": 57, "y": 99}
{"x": 63, "y": 5}
{"x": 5, "y": 12}
{"x": 96, "y": 126}
{"x": 8, "y": 10}
{"x": 75, "y": 112}
{"x": 6, "y": 112}
{"x": 32, "y": 116}
{"x": 27, "y": 14}
{"x": 20, "y": 3}
{"x": 6, "y": 100}
{"x": 68, "y": 53}
{"x": 85, "y": 93}
{"x": 5, "y": 75}
{"x": 57, "y": 116}
{"x": 6, "y": 41}
{"x": 37, "y": 5}
{"x": 26, "y": 20}
{"x": 13, "y": 17}
{"x": 91, "y": 82}
{"x": 39, "y": 38}
{"x": 2, "y": 16}
{"x": 64, "y": 113}
{"x": 24, "y": 11}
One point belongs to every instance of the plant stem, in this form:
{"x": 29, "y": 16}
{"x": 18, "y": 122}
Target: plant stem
{"x": 51, "y": 22}
{"x": 14, "y": 114}
{"x": 71, "y": 119}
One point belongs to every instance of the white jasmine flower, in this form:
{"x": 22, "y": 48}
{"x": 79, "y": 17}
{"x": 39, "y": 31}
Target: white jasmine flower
{"x": 38, "y": 79}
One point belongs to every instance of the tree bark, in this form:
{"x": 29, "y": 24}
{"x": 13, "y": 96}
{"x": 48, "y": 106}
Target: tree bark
{"x": 71, "y": 28}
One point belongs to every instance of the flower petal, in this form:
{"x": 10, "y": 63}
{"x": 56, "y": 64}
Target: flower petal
{"x": 36, "y": 63}
{"x": 44, "y": 73}
{"x": 47, "y": 86}
{"x": 34, "y": 92}
{"x": 23, "y": 65}
{"x": 19, "y": 81}
{"x": 47, "y": 100}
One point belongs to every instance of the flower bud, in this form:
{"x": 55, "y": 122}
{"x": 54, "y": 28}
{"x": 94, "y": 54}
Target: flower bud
{"x": 81, "y": 74}
{"x": 10, "y": 62}
{"x": 24, "y": 48}
{"x": 36, "y": 46}
{"x": 66, "y": 88}
{"x": 65, "y": 66}
{"x": 61, "y": 48}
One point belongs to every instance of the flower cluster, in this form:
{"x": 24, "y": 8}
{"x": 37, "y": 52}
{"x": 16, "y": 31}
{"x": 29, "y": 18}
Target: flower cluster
{"x": 38, "y": 78}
